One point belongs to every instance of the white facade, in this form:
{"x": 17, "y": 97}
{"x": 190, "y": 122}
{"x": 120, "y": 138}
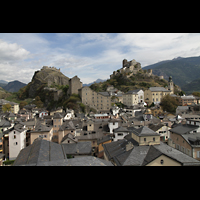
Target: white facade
{"x": 113, "y": 125}
{"x": 119, "y": 136}
{"x": 17, "y": 141}
{"x": 140, "y": 96}
{"x": 69, "y": 115}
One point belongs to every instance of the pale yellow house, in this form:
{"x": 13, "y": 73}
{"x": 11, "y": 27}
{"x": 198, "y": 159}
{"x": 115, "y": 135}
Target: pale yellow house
{"x": 155, "y": 94}
{"x": 42, "y": 131}
{"x": 133, "y": 97}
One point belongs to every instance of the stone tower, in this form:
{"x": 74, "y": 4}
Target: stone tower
{"x": 74, "y": 85}
{"x": 171, "y": 85}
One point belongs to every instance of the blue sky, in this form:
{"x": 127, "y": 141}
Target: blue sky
{"x": 88, "y": 55}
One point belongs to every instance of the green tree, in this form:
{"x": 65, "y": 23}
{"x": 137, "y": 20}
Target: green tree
{"x": 38, "y": 102}
{"x": 6, "y": 107}
{"x": 22, "y": 104}
{"x": 169, "y": 103}
{"x": 196, "y": 94}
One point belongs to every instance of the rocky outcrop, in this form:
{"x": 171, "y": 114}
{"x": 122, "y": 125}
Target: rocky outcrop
{"x": 46, "y": 77}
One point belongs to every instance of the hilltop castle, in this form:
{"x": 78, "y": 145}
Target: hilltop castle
{"x": 131, "y": 67}
{"x": 52, "y": 68}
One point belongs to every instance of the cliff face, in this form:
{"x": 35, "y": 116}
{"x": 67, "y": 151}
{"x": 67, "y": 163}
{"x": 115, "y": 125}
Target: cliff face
{"x": 46, "y": 77}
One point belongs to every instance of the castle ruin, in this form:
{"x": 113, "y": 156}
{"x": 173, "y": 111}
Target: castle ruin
{"x": 52, "y": 68}
{"x": 130, "y": 67}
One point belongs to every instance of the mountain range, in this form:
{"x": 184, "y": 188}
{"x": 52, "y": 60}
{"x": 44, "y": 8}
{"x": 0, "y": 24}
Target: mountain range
{"x": 184, "y": 71}
{"x": 12, "y": 86}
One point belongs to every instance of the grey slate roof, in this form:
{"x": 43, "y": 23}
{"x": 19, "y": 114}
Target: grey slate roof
{"x": 40, "y": 151}
{"x": 5, "y": 123}
{"x": 46, "y": 153}
{"x": 145, "y": 131}
{"x": 80, "y": 161}
{"x": 176, "y": 154}
{"x": 158, "y": 89}
{"x": 77, "y": 148}
{"x": 120, "y": 129}
{"x": 183, "y": 128}
{"x": 137, "y": 156}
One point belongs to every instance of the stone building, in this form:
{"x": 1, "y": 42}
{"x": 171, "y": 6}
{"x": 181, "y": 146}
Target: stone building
{"x": 133, "y": 97}
{"x": 74, "y": 85}
{"x": 101, "y": 101}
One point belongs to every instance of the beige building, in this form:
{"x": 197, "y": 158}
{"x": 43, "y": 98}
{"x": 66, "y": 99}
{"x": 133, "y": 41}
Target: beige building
{"x": 188, "y": 100}
{"x": 42, "y": 131}
{"x": 14, "y": 106}
{"x": 101, "y": 101}
{"x": 133, "y": 97}
{"x": 130, "y": 99}
{"x": 155, "y": 94}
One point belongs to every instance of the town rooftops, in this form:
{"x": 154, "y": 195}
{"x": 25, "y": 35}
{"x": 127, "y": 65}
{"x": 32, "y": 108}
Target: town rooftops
{"x": 144, "y": 154}
{"x": 46, "y": 153}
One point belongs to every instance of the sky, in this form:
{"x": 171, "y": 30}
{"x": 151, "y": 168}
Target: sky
{"x": 88, "y": 55}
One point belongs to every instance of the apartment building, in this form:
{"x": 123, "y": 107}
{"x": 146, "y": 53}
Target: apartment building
{"x": 133, "y": 97}
{"x": 101, "y": 101}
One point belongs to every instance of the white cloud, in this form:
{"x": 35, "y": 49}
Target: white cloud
{"x": 12, "y": 52}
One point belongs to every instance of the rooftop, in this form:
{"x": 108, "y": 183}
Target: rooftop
{"x": 158, "y": 89}
{"x": 46, "y": 153}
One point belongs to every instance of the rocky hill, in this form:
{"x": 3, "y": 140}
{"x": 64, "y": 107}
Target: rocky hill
{"x": 47, "y": 76}
{"x": 124, "y": 81}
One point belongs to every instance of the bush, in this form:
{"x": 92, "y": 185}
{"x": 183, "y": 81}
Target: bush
{"x": 8, "y": 162}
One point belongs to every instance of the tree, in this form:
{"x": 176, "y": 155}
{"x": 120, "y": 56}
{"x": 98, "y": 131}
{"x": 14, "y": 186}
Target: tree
{"x": 38, "y": 102}
{"x": 6, "y": 107}
{"x": 196, "y": 94}
{"x": 169, "y": 103}
{"x": 22, "y": 104}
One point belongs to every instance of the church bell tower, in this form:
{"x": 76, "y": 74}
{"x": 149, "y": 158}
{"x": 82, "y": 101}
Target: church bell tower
{"x": 171, "y": 85}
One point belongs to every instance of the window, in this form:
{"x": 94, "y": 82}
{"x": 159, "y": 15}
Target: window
{"x": 154, "y": 139}
{"x": 161, "y": 162}
{"x": 145, "y": 139}
{"x": 14, "y": 137}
